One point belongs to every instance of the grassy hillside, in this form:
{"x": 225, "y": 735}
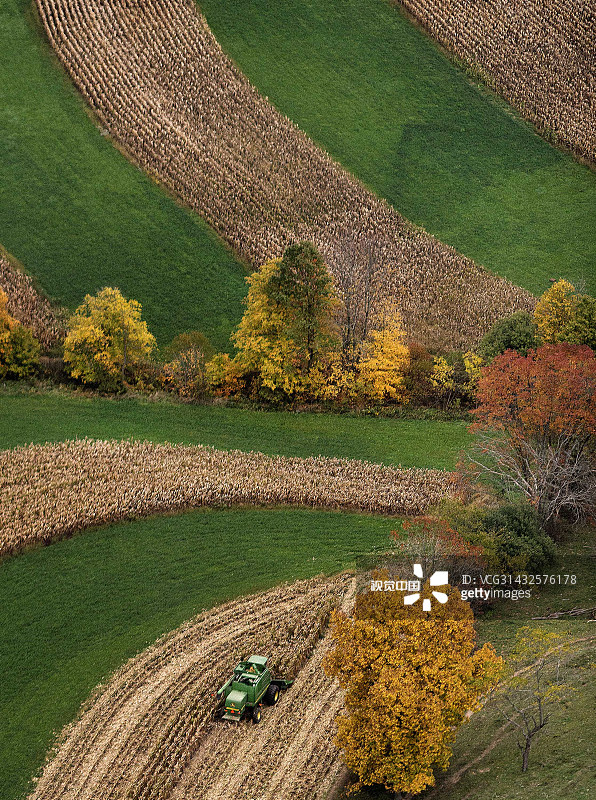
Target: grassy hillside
{"x": 563, "y": 754}
{"x": 72, "y": 613}
{"x": 80, "y": 216}
{"x": 55, "y": 417}
{"x": 375, "y": 92}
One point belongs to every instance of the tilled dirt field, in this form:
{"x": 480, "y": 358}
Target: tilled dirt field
{"x": 150, "y": 732}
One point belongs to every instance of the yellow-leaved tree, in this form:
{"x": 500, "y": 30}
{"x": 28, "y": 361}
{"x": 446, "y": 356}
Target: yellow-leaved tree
{"x": 19, "y": 349}
{"x": 563, "y": 315}
{"x": 288, "y": 326}
{"x": 385, "y": 360}
{"x": 262, "y": 339}
{"x": 107, "y": 341}
{"x": 554, "y": 311}
{"x": 410, "y": 676}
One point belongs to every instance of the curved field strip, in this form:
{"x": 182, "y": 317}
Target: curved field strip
{"x": 141, "y": 731}
{"x": 73, "y": 613}
{"x": 79, "y": 216}
{"x": 27, "y": 305}
{"x": 51, "y": 491}
{"x": 376, "y": 92}
{"x": 161, "y": 85}
{"x": 541, "y": 56}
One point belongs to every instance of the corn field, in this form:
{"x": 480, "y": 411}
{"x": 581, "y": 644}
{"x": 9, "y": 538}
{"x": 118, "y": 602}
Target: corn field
{"x": 539, "y": 54}
{"x": 50, "y": 491}
{"x": 27, "y": 306}
{"x": 161, "y": 86}
{"x": 150, "y": 732}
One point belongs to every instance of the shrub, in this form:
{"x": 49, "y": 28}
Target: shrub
{"x": 516, "y": 332}
{"x": 518, "y": 541}
{"x": 22, "y": 359}
{"x": 434, "y": 544}
{"x": 510, "y": 535}
{"x": 186, "y": 374}
{"x": 418, "y": 386}
{"x": 190, "y": 340}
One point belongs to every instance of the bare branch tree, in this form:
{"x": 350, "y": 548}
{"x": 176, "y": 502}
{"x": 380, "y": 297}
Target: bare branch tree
{"x": 527, "y": 697}
{"x": 555, "y": 474}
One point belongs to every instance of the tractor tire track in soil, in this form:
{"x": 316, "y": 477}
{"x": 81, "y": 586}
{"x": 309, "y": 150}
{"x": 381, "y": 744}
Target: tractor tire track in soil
{"x": 151, "y": 734}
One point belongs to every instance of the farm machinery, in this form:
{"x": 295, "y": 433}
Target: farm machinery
{"x": 250, "y": 686}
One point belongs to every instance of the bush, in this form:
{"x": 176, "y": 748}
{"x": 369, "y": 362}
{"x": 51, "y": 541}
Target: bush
{"x": 518, "y": 541}
{"x": 517, "y": 332}
{"x": 417, "y": 383}
{"x": 21, "y": 354}
{"x": 186, "y": 374}
{"x": 510, "y": 536}
{"x": 191, "y": 340}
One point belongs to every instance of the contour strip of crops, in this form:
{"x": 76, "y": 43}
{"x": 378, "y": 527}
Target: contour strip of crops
{"x": 47, "y": 492}
{"x": 539, "y": 54}
{"x": 160, "y": 84}
{"x": 27, "y": 305}
{"x": 150, "y": 733}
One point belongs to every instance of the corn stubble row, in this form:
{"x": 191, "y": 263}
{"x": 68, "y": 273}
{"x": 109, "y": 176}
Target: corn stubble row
{"x": 540, "y": 55}
{"x": 150, "y": 732}
{"x": 161, "y": 86}
{"x": 49, "y": 491}
{"x": 27, "y": 306}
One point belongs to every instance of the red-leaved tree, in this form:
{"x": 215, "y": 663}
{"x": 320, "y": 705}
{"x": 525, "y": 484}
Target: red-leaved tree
{"x": 536, "y": 427}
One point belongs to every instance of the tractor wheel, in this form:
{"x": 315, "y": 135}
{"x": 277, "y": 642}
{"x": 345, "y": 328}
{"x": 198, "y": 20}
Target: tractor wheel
{"x": 256, "y": 715}
{"x": 272, "y": 695}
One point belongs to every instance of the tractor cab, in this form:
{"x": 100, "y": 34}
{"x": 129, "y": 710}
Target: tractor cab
{"x": 249, "y": 686}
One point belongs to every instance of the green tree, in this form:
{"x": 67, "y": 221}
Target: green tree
{"x": 301, "y": 291}
{"x": 516, "y": 332}
{"x": 581, "y": 328}
{"x": 107, "y": 341}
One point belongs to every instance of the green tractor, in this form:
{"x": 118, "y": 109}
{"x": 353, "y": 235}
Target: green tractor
{"x": 250, "y": 686}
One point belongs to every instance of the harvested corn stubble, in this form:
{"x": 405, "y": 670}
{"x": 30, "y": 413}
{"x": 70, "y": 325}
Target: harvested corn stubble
{"x": 27, "y": 306}
{"x": 150, "y": 733}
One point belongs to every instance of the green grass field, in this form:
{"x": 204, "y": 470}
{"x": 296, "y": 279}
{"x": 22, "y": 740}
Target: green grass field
{"x": 79, "y": 216}
{"x": 26, "y": 418}
{"x": 376, "y": 93}
{"x": 70, "y": 614}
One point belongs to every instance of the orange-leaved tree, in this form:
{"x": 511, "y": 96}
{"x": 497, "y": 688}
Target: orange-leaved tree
{"x": 536, "y": 425}
{"x": 409, "y": 676}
